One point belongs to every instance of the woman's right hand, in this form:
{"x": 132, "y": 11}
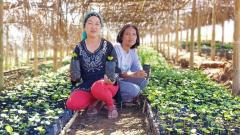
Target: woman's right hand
{"x": 140, "y": 74}
{"x": 107, "y": 80}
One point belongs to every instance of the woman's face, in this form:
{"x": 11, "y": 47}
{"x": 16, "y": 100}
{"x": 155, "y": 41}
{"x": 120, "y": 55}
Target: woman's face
{"x": 129, "y": 37}
{"x": 93, "y": 26}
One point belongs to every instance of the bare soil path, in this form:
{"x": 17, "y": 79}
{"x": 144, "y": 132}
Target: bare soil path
{"x": 131, "y": 121}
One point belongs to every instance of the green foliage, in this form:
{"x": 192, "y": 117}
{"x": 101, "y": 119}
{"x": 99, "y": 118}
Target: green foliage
{"x": 207, "y": 44}
{"x": 147, "y": 55}
{"x": 187, "y": 98}
{"x": 9, "y": 129}
{"x": 33, "y": 105}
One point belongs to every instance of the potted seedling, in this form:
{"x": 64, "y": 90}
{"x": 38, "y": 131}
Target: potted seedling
{"x": 75, "y": 70}
{"x": 110, "y": 68}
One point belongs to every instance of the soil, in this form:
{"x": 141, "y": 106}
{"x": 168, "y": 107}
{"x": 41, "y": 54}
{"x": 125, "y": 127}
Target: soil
{"x": 131, "y": 121}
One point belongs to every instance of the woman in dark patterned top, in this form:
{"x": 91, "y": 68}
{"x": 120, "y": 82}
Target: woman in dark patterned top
{"x": 92, "y": 53}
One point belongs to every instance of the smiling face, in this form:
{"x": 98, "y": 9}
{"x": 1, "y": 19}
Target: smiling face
{"x": 93, "y": 27}
{"x": 129, "y": 37}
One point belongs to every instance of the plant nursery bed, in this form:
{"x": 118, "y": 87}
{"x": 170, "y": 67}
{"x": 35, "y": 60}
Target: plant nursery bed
{"x": 36, "y": 106}
{"x": 188, "y": 102}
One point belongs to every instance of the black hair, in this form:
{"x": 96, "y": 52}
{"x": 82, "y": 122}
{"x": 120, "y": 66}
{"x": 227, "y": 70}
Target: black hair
{"x": 120, "y": 35}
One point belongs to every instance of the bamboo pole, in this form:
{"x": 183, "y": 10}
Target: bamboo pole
{"x": 60, "y": 30}
{"x": 192, "y": 35}
{"x": 199, "y": 32}
{"x": 176, "y": 39}
{"x": 223, "y": 32}
{"x": 236, "y": 49}
{"x": 16, "y": 55}
{"x": 168, "y": 38}
{"x": 55, "y": 46}
{"x": 35, "y": 51}
{"x": 168, "y": 45}
{"x": 187, "y": 39}
{"x": 164, "y": 45}
{"x": 160, "y": 43}
{"x": 157, "y": 42}
{"x": 28, "y": 50}
{"x": 44, "y": 49}
{"x": 1, "y": 46}
{"x": 7, "y": 49}
{"x": 181, "y": 39}
{"x": 213, "y": 47}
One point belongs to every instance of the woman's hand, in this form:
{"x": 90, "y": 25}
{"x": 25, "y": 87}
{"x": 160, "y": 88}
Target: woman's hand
{"x": 140, "y": 74}
{"x": 137, "y": 74}
{"x": 108, "y": 81}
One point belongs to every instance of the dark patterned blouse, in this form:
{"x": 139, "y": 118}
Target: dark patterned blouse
{"x": 93, "y": 64}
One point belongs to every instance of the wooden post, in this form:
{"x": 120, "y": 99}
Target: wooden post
{"x": 168, "y": 37}
{"x": 192, "y": 35}
{"x": 187, "y": 40}
{"x": 35, "y": 51}
{"x": 55, "y": 40}
{"x": 7, "y": 49}
{"x": 181, "y": 39}
{"x": 16, "y": 55}
{"x": 168, "y": 44}
{"x": 176, "y": 39}
{"x": 1, "y": 45}
{"x": 60, "y": 30}
{"x": 236, "y": 49}
{"x": 223, "y": 32}
{"x": 199, "y": 32}
{"x": 44, "y": 49}
{"x": 28, "y": 50}
{"x": 160, "y": 43}
{"x": 157, "y": 44}
{"x": 164, "y": 44}
{"x": 213, "y": 47}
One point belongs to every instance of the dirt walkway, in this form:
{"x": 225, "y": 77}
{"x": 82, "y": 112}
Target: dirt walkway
{"x": 130, "y": 122}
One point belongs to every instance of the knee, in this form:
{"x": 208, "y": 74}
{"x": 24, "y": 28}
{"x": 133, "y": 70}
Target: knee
{"x": 130, "y": 93}
{"x": 76, "y": 105}
{"x": 97, "y": 87}
{"x": 77, "y": 101}
{"x": 131, "y": 90}
{"x": 135, "y": 91}
{"x": 143, "y": 84}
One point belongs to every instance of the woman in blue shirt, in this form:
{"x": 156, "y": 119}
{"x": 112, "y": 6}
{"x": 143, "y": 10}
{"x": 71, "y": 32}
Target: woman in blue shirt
{"x": 133, "y": 77}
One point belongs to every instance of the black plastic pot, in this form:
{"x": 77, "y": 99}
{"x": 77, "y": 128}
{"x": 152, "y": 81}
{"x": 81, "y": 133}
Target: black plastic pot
{"x": 147, "y": 69}
{"x": 220, "y": 52}
{"x": 229, "y": 55}
{"x": 110, "y": 70}
{"x": 59, "y": 124}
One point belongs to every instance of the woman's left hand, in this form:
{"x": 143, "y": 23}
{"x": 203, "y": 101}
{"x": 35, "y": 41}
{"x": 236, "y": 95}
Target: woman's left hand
{"x": 108, "y": 81}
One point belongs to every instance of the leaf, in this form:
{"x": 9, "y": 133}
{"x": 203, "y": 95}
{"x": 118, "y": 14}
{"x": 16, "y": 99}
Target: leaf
{"x": 41, "y": 130}
{"x": 74, "y": 55}
{"x": 110, "y": 58}
{"x": 9, "y": 129}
